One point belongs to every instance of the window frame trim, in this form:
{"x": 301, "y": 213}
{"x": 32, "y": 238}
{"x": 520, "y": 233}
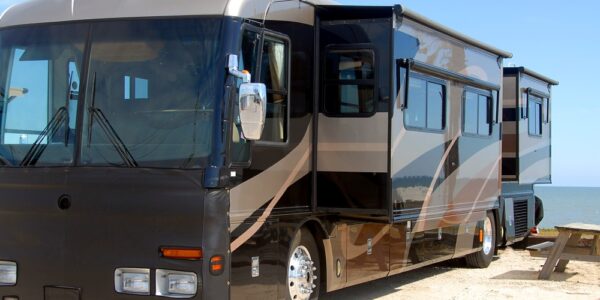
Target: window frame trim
{"x": 479, "y": 92}
{"x": 277, "y": 36}
{"x": 427, "y": 78}
{"x": 356, "y": 47}
{"x": 541, "y": 114}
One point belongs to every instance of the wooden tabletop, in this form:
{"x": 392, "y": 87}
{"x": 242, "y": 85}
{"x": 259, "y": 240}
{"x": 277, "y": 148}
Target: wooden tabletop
{"x": 581, "y": 228}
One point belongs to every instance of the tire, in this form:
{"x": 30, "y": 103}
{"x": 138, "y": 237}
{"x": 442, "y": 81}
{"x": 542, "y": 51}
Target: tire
{"x": 483, "y": 257}
{"x": 303, "y": 255}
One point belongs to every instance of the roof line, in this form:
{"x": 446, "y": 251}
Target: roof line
{"x": 451, "y": 32}
{"x": 532, "y": 74}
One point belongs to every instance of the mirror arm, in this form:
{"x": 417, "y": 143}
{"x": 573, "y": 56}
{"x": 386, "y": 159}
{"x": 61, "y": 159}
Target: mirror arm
{"x": 232, "y": 67}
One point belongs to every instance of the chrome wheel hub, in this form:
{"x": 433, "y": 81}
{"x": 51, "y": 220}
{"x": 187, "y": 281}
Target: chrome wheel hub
{"x": 487, "y": 236}
{"x": 301, "y": 274}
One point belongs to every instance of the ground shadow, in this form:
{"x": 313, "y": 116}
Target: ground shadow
{"x": 533, "y": 275}
{"x": 389, "y": 285}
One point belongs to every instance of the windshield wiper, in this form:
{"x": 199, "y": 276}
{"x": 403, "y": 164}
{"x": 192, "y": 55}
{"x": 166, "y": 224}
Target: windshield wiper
{"x": 38, "y": 147}
{"x": 108, "y": 130}
{"x": 60, "y": 116}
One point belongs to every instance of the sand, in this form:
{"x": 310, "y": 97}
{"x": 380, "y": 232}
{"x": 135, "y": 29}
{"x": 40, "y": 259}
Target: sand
{"x": 512, "y": 275}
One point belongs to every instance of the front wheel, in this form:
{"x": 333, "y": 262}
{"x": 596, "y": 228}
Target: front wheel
{"x": 483, "y": 257}
{"x": 303, "y": 267}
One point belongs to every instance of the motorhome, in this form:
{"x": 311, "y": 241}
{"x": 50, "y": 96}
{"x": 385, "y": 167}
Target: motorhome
{"x": 526, "y": 149}
{"x": 244, "y": 149}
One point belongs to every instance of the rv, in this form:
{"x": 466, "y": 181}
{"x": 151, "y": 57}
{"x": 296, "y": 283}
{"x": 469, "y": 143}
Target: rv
{"x": 244, "y": 149}
{"x": 526, "y": 149}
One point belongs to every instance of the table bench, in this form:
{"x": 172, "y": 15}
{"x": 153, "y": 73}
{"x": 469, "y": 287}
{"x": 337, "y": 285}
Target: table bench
{"x": 566, "y": 248}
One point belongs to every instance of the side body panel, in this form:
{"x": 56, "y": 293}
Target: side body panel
{"x": 526, "y": 145}
{"x": 534, "y": 150}
{"x": 443, "y": 180}
{"x": 274, "y": 193}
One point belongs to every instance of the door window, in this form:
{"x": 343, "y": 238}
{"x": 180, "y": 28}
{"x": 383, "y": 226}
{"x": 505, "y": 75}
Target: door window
{"x": 350, "y": 82}
{"x": 274, "y": 74}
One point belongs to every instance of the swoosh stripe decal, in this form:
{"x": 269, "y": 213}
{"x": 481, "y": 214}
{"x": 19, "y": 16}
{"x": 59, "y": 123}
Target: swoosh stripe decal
{"x": 258, "y": 223}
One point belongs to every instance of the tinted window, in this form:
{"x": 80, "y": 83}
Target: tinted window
{"x": 426, "y": 104}
{"x": 274, "y": 74}
{"x": 471, "y": 113}
{"x": 153, "y": 90}
{"x": 350, "y": 82}
{"x": 535, "y": 115}
{"x": 477, "y": 112}
{"x": 248, "y": 60}
{"x": 39, "y": 91}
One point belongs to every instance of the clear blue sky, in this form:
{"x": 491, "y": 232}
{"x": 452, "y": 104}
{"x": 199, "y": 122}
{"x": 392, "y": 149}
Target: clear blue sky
{"x": 559, "y": 41}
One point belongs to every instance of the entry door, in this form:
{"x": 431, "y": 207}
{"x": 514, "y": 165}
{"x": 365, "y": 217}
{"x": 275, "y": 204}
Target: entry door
{"x": 352, "y": 137}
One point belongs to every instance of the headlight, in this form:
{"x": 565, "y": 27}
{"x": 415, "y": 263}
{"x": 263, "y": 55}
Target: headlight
{"x": 132, "y": 281}
{"x": 176, "y": 284}
{"x": 8, "y": 273}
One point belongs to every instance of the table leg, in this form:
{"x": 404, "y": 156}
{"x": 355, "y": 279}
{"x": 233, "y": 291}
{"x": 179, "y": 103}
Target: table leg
{"x": 559, "y": 246}
{"x": 596, "y": 245}
{"x": 573, "y": 240}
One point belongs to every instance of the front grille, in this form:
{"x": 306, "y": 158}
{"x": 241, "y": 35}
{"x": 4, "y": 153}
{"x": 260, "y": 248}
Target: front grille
{"x": 520, "y": 210}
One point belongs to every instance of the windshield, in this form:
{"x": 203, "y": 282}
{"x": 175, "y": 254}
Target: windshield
{"x": 39, "y": 69}
{"x": 150, "y": 91}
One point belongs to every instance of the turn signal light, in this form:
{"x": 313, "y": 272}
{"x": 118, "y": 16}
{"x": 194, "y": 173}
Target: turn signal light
{"x": 217, "y": 265}
{"x": 481, "y": 235}
{"x": 181, "y": 253}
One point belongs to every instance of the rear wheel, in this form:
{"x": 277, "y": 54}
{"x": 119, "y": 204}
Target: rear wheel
{"x": 483, "y": 257}
{"x": 303, "y": 267}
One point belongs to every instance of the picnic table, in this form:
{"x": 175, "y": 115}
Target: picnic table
{"x": 566, "y": 248}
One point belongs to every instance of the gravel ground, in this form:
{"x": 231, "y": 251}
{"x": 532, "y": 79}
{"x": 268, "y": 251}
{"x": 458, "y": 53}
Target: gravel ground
{"x": 512, "y": 275}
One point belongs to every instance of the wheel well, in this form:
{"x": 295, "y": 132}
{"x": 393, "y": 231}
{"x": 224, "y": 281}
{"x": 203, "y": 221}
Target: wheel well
{"x": 499, "y": 229}
{"x": 319, "y": 234}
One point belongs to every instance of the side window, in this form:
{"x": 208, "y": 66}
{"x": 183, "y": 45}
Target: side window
{"x": 477, "y": 113}
{"x": 249, "y": 53}
{"x": 426, "y": 104}
{"x": 350, "y": 82}
{"x": 534, "y": 115}
{"x": 274, "y": 74}
{"x": 248, "y": 60}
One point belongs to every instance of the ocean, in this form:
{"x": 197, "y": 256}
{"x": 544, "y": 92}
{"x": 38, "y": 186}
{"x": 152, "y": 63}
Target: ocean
{"x": 564, "y": 205}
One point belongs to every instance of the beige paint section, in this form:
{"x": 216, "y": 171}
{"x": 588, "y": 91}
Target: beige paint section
{"x": 440, "y": 50}
{"x": 353, "y": 144}
{"x": 46, "y": 11}
{"x": 270, "y": 184}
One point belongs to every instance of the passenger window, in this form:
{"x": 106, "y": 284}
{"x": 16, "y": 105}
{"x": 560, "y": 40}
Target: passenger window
{"x": 477, "y": 113}
{"x": 250, "y": 50}
{"x": 248, "y": 60}
{"x": 425, "y": 104}
{"x": 535, "y": 115}
{"x": 274, "y": 74}
{"x": 350, "y": 82}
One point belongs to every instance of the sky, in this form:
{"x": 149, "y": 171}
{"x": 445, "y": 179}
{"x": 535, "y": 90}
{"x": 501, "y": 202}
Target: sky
{"x": 559, "y": 41}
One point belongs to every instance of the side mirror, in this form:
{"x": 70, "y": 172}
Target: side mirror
{"x": 253, "y": 109}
